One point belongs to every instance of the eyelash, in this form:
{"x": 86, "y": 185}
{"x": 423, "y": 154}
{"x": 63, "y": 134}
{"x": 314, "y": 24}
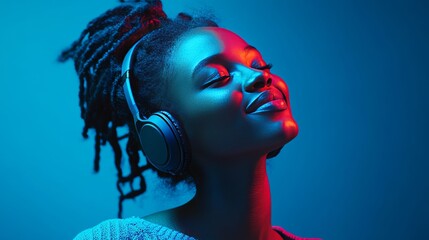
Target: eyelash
{"x": 268, "y": 66}
{"x": 216, "y": 81}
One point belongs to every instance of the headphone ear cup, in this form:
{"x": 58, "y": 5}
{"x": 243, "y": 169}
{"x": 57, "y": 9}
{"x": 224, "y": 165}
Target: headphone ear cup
{"x": 163, "y": 143}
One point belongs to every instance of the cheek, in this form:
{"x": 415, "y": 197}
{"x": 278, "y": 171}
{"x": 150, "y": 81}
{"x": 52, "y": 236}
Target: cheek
{"x": 237, "y": 98}
{"x": 214, "y": 107}
{"x": 212, "y": 119}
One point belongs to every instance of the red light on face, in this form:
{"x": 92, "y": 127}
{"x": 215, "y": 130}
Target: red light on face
{"x": 237, "y": 98}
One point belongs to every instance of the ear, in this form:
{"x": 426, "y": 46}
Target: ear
{"x": 274, "y": 153}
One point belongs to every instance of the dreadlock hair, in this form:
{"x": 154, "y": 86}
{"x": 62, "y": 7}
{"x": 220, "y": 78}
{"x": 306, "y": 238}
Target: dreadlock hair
{"x": 97, "y": 56}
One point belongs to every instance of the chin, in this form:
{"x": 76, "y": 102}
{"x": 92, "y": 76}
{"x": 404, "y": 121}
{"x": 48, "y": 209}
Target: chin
{"x": 278, "y": 136}
{"x": 290, "y": 130}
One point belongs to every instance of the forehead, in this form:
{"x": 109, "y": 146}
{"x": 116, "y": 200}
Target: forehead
{"x": 203, "y": 42}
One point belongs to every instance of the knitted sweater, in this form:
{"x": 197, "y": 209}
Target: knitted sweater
{"x": 135, "y": 228}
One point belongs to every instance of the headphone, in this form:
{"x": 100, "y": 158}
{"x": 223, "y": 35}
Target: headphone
{"x": 160, "y": 135}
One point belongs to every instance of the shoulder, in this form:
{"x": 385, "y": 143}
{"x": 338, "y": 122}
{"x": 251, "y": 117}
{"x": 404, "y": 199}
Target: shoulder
{"x": 130, "y": 228}
{"x": 289, "y": 236}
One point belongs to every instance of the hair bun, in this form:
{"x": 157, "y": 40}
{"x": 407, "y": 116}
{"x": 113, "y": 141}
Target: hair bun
{"x": 149, "y": 20}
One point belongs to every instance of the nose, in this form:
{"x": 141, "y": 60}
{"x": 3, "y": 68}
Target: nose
{"x": 259, "y": 81}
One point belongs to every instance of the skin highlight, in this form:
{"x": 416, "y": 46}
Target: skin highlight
{"x": 229, "y": 145}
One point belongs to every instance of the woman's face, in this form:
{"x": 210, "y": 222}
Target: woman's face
{"x": 225, "y": 96}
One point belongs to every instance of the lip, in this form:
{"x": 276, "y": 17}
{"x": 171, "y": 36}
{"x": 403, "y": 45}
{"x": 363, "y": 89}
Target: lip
{"x": 271, "y": 100}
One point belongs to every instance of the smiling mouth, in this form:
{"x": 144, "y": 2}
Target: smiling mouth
{"x": 272, "y": 100}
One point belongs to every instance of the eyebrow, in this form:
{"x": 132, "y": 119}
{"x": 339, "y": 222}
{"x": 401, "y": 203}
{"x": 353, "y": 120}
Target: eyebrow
{"x": 218, "y": 56}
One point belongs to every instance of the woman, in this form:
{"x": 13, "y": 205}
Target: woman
{"x": 203, "y": 106}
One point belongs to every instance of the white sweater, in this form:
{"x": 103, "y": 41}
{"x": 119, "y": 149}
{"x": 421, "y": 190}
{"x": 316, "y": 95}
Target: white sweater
{"x": 135, "y": 228}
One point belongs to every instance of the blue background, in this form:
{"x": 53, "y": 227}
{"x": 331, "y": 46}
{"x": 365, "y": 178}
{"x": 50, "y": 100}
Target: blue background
{"x": 358, "y": 78}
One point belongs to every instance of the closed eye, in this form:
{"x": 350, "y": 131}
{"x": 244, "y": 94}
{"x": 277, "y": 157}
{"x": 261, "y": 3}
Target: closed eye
{"x": 218, "y": 82}
{"x": 268, "y": 66}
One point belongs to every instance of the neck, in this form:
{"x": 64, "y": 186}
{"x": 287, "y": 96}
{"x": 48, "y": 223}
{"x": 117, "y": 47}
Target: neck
{"x": 233, "y": 201}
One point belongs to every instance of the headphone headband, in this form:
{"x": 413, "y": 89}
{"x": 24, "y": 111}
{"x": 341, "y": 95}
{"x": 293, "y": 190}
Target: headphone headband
{"x": 126, "y": 68}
